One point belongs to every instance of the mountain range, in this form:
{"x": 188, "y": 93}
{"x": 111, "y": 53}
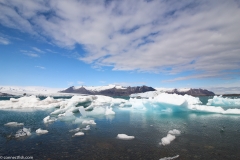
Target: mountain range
{"x": 113, "y": 90}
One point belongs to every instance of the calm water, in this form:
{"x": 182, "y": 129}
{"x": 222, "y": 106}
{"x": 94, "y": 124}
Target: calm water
{"x": 201, "y": 136}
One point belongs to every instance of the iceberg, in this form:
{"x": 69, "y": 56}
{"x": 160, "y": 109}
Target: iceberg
{"x": 174, "y": 132}
{"x": 109, "y": 111}
{"x": 224, "y": 102}
{"x": 23, "y": 132}
{"x": 86, "y": 128}
{"x": 78, "y": 134}
{"x": 48, "y": 119}
{"x": 170, "y": 137}
{"x": 74, "y": 130}
{"x": 29, "y": 102}
{"x": 167, "y": 140}
{"x": 125, "y": 137}
{"x": 14, "y": 124}
{"x": 88, "y": 122}
{"x": 40, "y": 131}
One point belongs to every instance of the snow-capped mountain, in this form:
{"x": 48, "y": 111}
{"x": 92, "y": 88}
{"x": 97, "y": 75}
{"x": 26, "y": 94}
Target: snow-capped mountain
{"x": 110, "y": 90}
{"x": 189, "y": 91}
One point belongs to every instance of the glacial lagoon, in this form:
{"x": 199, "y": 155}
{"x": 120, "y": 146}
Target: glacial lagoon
{"x": 204, "y": 135}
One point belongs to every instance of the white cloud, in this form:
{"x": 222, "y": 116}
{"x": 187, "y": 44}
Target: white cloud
{"x": 40, "y": 67}
{"x": 30, "y": 53}
{"x": 4, "y": 41}
{"x": 38, "y": 50}
{"x": 156, "y": 36}
{"x": 80, "y": 83}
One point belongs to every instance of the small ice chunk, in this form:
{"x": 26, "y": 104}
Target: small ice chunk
{"x": 13, "y": 124}
{"x": 109, "y": 111}
{"x": 168, "y": 139}
{"x": 74, "y": 130}
{"x": 125, "y": 137}
{"x": 78, "y": 134}
{"x": 86, "y": 128}
{"x": 174, "y": 132}
{"x": 23, "y": 132}
{"x": 88, "y": 122}
{"x": 48, "y": 120}
{"x": 41, "y": 131}
{"x": 169, "y": 158}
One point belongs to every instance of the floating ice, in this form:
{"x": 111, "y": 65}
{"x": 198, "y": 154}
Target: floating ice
{"x": 74, "y": 130}
{"x": 174, "y": 132}
{"x": 48, "y": 119}
{"x": 224, "y": 102}
{"x": 13, "y": 124}
{"x": 109, "y": 111}
{"x": 78, "y": 134}
{"x": 88, "y": 122}
{"x": 213, "y": 109}
{"x": 169, "y": 158}
{"x": 87, "y": 128}
{"x": 125, "y": 137}
{"x": 97, "y": 111}
{"x": 23, "y": 132}
{"x": 82, "y": 111}
{"x": 29, "y": 102}
{"x": 40, "y": 131}
{"x": 167, "y": 140}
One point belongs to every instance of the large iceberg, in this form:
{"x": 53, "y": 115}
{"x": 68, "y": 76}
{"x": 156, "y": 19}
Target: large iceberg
{"x": 29, "y": 102}
{"x": 224, "y": 102}
{"x": 92, "y": 106}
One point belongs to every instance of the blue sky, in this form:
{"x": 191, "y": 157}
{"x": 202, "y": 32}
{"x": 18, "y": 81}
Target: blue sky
{"x": 157, "y": 43}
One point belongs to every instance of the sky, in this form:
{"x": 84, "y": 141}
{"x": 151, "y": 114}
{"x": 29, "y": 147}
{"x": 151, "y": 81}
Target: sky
{"x": 158, "y": 43}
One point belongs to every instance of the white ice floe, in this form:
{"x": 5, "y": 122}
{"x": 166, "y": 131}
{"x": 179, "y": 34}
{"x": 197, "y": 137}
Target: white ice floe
{"x": 174, "y": 132}
{"x": 170, "y": 137}
{"x": 88, "y": 122}
{"x": 169, "y": 158}
{"x": 174, "y": 102}
{"x": 41, "y": 131}
{"x": 48, "y": 119}
{"x": 167, "y": 140}
{"x": 74, "y": 130}
{"x": 224, "y": 102}
{"x": 125, "y": 137}
{"x": 78, "y": 134}
{"x": 13, "y": 124}
{"x": 86, "y": 128}
{"x": 29, "y": 102}
{"x": 23, "y": 132}
{"x": 213, "y": 109}
{"x": 109, "y": 111}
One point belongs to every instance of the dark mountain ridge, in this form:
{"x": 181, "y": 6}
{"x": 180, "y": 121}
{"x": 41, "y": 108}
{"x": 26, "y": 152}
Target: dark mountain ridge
{"x": 110, "y": 92}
